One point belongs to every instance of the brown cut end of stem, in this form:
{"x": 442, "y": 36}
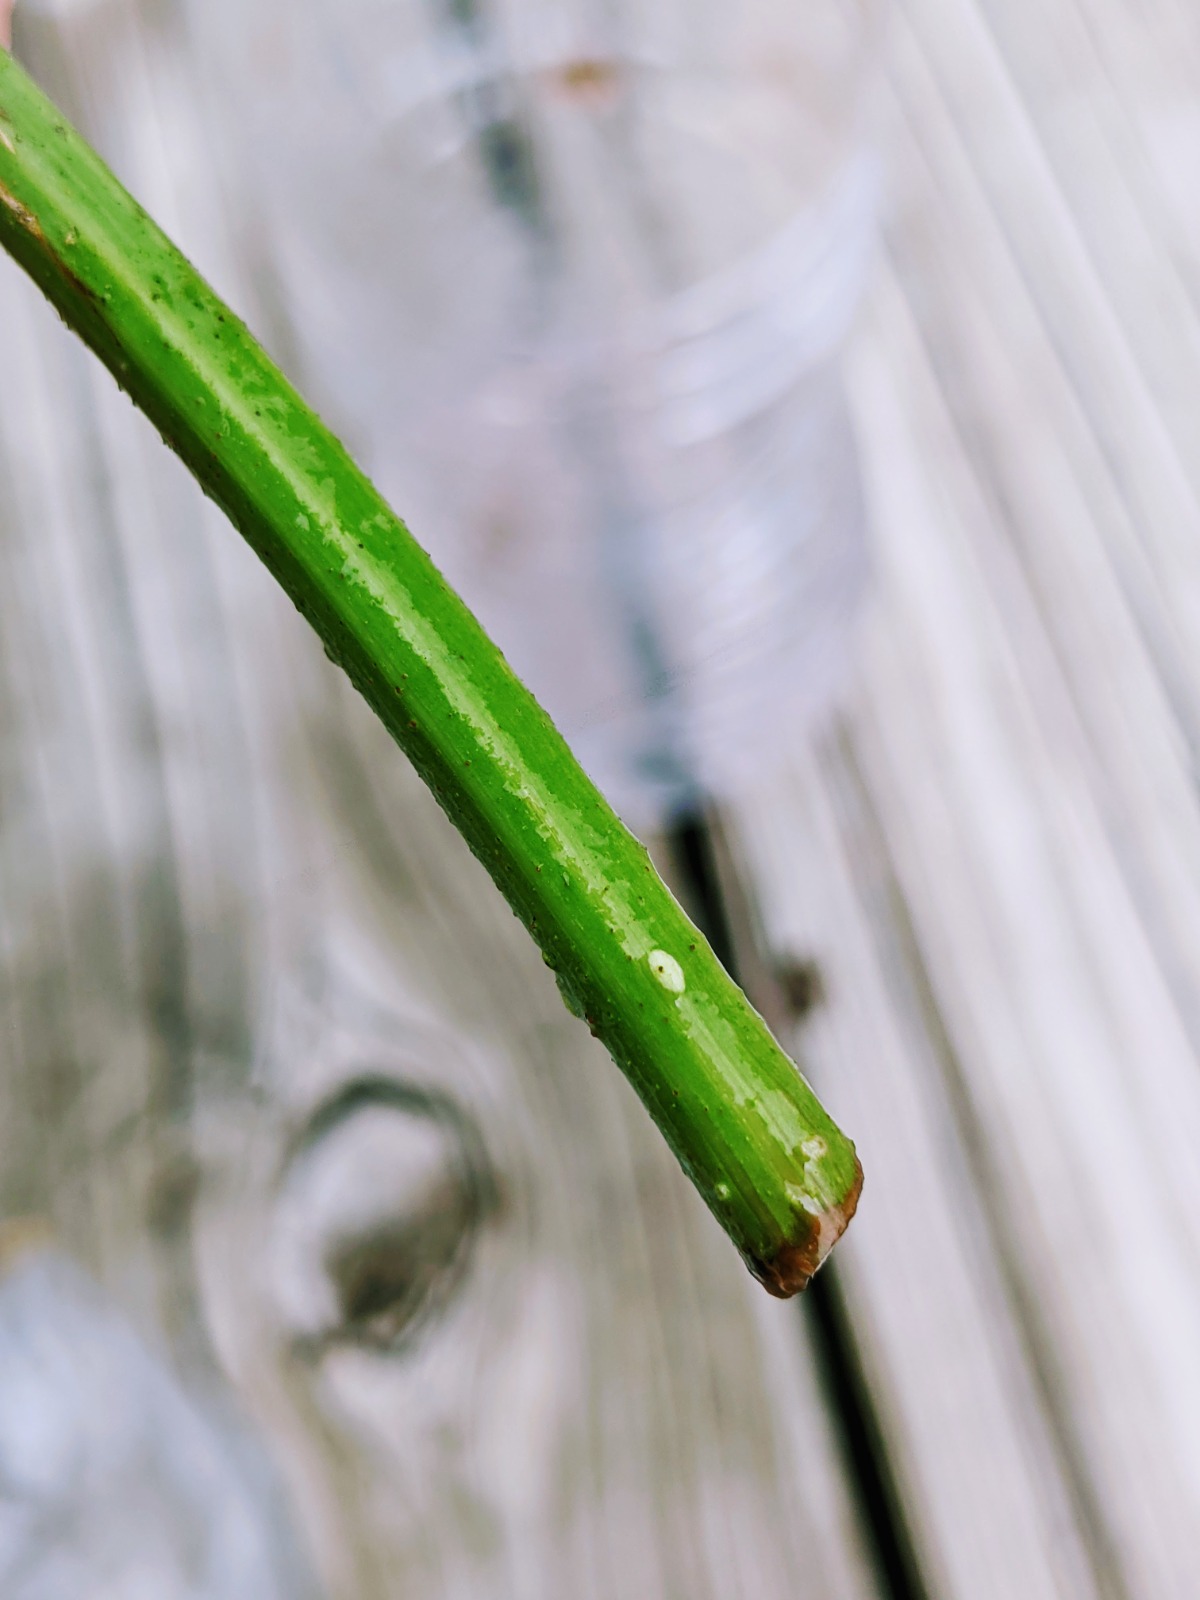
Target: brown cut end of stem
{"x": 791, "y": 1270}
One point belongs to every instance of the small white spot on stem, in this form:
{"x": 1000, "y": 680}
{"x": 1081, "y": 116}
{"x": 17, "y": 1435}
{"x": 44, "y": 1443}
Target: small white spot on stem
{"x": 668, "y": 971}
{"x": 815, "y": 1147}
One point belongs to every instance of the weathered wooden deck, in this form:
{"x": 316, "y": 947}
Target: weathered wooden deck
{"x": 995, "y": 858}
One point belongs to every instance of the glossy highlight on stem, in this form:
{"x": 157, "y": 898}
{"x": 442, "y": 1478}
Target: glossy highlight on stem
{"x": 768, "y": 1160}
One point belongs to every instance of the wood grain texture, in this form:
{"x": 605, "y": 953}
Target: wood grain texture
{"x": 995, "y": 859}
{"x": 267, "y": 1027}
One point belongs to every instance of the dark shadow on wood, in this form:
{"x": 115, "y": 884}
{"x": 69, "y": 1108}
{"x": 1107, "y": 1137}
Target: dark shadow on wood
{"x": 707, "y": 882}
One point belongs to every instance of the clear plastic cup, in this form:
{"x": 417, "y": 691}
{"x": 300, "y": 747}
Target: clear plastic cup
{"x": 574, "y": 280}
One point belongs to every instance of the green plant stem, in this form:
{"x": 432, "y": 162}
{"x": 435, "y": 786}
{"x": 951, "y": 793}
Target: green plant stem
{"x": 767, "y": 1159}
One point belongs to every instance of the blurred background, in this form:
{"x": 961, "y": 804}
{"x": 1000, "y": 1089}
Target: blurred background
{"x": 808, "y": 399}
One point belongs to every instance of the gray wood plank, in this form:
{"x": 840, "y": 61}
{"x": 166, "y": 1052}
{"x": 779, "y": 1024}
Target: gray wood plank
{"x": 1010, "y": 818}
{"x": 264, "y": 1017}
